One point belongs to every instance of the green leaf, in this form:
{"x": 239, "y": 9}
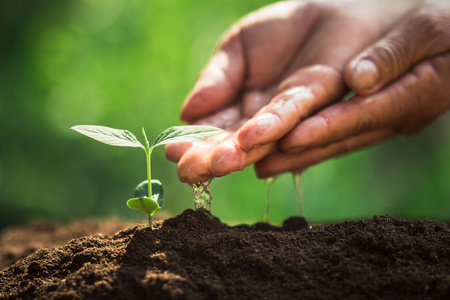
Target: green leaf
{"x": 141, "y": 189}
{"x": 109, "y": 136}
{"x": 157, "y": 191}
{"x": 144, "y": 204}
{"x": 189, "y": 133}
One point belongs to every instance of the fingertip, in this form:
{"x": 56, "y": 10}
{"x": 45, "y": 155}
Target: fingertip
{"x": 197, "y": 104}
{"x": 363, "y": 76}
{"x": 259, "y": 130}
{"x": 259, "y": 171}
{"x": 265, "y": 167}
{"x": 174, "y": 152}
{"x": 311, "y": 132}
{"x": 193, "y": 165}
{"x": 226, "y": 157}
{"x": 197, "y": 180}
{"x": 243, "y": 135}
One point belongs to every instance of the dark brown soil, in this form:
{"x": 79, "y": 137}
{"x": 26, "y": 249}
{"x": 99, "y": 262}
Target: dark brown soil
{"x": 18, "y": 242}
{"x": 194, "y": 256}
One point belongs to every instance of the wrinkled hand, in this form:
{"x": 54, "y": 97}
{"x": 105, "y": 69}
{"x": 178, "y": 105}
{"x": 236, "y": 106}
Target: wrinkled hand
{"x": 295, "y": 55}
{"x": 402, "y": 84}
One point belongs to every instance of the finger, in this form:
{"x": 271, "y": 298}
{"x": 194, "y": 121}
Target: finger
{"x": 272, "y": 37}
{"x": 193, "y": 165}
{"x": 224, "y": 118}
{"x": 221, "y": 80}
{"x": 423, "y": 34}
{"x": 343, "y": 33}
{"x": 278, "y": 162}
{"x": 217, "y": 158}
{"x": 303, "y": 93}
{"x": 228, "y": 157}
{"x": 175, "y": 151}
{"x": 233, "y": 117}
{"x": 404, "y": 106}
{"x": 254, "y": 100}
{"x": 253, "y": 54}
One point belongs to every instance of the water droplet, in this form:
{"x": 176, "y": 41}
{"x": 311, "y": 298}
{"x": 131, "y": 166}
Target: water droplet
{"x": 202, "y": 195}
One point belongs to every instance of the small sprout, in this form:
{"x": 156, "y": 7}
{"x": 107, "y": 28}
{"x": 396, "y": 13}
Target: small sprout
{"x": 296, "y": 176}
{"x": 269, "y": 182}
{"x": 141, "y": 202}
{"x": 348, "y": 96}
{"x": 148, "y": 198}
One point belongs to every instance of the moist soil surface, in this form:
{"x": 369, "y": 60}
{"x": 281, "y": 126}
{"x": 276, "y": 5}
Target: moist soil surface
{"x": 195, "y": 256}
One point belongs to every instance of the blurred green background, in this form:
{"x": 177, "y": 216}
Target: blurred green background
{"x": 130, "y": 63}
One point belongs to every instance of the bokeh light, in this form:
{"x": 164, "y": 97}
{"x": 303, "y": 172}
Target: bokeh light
{"x": 129, "y": 64}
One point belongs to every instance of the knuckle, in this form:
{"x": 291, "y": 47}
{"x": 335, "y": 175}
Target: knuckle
{"x": 423, "y": 34}
{"x": 428, "y": 94}
{"x": 432, "y": 19}
{"x": 393, "y": 53}
{"x": 432, "y": 77}
{"x": 328, "y": 134}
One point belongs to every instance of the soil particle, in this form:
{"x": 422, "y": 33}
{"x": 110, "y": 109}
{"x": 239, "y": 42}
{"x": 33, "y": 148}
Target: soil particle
{"x": 194, "y": 256}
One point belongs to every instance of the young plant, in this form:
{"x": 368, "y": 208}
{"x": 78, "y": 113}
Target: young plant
{"x": 148, "y": 198}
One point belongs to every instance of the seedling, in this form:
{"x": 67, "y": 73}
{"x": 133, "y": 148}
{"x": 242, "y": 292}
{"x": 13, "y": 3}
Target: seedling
{"x": 148, "y": 198}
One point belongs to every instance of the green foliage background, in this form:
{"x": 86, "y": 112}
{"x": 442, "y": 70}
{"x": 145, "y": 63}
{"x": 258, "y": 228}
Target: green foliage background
{"x": 130, "y": 63}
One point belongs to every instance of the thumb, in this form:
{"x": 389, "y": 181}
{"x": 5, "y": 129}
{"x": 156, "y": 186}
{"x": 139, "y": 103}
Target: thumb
{"x": 424, "y": 33}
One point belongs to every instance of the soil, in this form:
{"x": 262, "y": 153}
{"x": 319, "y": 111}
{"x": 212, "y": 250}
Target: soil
{"x": 19, "y": 242}
{"x": 195, "y": 256}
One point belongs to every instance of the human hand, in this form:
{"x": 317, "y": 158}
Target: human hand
{"x": 404, "y": 86}
{"x": 292, "y": 54}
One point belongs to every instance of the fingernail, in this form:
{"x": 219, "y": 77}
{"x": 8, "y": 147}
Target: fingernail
{"x": 365, "y": 75}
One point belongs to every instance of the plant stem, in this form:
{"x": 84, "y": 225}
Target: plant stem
{"x": 150, "y": 222}
{"x": 348, "y": 95}
{"x": 149, "y": 171}
{"x": 148, "y": 153}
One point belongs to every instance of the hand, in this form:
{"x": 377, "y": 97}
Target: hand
{"x": 289, "y": 59}
{"x": 402, "y": 84}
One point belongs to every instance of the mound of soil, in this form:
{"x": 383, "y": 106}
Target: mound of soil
{"x": 18, "y": 242}
{"x": 195, "y": 256}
